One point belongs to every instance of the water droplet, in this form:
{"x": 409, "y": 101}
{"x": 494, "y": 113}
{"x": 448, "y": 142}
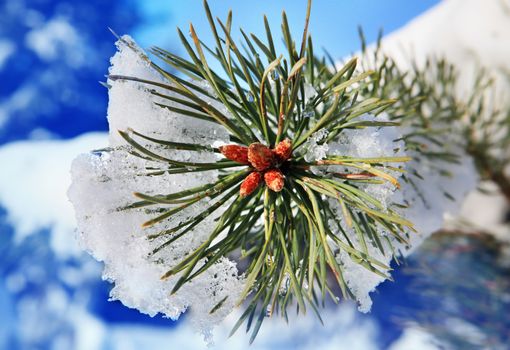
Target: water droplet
{"x": 275, "y": 75}
{"x": 249, "y": 97}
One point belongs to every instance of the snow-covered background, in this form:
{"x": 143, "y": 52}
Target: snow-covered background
{"x": 52, "y": 55}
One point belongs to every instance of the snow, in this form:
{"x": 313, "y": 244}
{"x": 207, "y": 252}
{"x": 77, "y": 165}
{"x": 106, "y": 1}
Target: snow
{"x": 104, "y": 182}
{"x": 485, "y": 212}
{"x": 426, "y": 198}
{"x": 370, "y": 142}
{"x": 50, "y": 160}
{"x": 471, "y": 42}
{"x": 473, "y": 35}
{"x": 316, "y": 148}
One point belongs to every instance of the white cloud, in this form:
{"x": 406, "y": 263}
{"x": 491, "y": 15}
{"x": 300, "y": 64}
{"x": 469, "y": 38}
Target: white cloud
{"x": 33, "y": 184}
{"x": 54, "y": 38}
{"x": 415, "y": 339}
{"x": 342, "y": 329}
{"x": 18, "y": 101}
{"x": 7, "y": 48}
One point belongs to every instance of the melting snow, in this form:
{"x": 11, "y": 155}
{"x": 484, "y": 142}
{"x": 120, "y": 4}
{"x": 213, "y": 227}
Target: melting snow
{"x": 105, "y": 182}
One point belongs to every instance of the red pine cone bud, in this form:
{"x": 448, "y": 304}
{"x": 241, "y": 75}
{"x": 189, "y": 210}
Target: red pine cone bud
{"x": 274, "y": 180}
{"x": 283, "y": 150}
{"x": 236, "y": 153}
{"x": 250, "y": 183}
{"x": 260, "y": 156}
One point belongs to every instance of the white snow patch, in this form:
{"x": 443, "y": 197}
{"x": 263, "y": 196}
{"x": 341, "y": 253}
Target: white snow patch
{"x": 316, "y": 148}
{"x": 427, "y": 218}
{"x": 472, "y": 35}
{"x": 104, "y": 183}
{"x": 369, "y": 142}
{"x": 484, "y": 211}
{"x": 426, "y": 198}
{"x": 469, "y": 33}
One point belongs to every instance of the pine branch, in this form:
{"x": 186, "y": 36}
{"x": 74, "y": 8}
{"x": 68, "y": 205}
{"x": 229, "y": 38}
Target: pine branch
{"x": 278, "y": 210}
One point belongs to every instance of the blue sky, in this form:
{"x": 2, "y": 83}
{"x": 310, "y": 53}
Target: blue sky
{"x": 333, "y": 23}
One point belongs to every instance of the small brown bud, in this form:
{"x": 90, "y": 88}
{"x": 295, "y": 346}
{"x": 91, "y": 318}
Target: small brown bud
{"x": 274, "y": 180}
{"x": 250, "y": 183}
{"x": 283, "y": 150}
{"x": 236, "y": 153}
{"x": 260, "y": 156}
